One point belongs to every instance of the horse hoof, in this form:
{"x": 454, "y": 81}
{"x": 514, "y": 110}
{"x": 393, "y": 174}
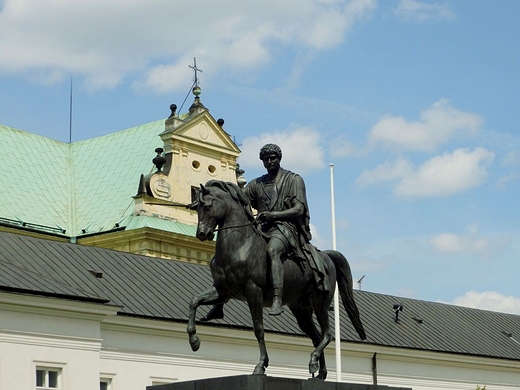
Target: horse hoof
{"x": 275, "y": 312}
{"x": 195, "y": 343}
{"x": 313, "y": 365}
{"x": 322, "y": 376}
{"x": 259, "y": 370}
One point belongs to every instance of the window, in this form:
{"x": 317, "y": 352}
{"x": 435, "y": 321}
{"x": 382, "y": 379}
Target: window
{"x": 48, "y": 378}
{"x": 156, "y": 381}
{"x": 105, "y": 381}
{"x": 195, "y": 164}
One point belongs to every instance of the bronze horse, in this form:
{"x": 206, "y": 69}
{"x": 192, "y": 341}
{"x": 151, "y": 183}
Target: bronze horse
{"x": 240, "y": 271}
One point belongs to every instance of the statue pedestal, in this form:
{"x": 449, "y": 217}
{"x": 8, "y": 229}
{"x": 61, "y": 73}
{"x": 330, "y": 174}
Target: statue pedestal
{"x": 262, "y": 382}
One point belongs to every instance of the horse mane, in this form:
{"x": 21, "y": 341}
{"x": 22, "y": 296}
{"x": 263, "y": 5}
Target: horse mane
{"x": 236, "y": 193}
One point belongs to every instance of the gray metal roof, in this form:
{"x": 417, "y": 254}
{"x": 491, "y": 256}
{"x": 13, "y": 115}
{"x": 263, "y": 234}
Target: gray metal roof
{"x": 161, "y": 289}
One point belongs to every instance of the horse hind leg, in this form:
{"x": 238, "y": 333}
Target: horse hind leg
{"x": 320, "y": 304}
{"x": 306, "y": 324}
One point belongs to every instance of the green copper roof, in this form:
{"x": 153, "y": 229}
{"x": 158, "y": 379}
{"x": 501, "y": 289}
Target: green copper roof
{"x": 87, "y": 185}
{"x": 34, "y": 178}
{"x": 106, "y": 172}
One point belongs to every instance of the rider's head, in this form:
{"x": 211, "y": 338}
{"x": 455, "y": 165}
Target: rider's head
{"x": 268, "y": 149}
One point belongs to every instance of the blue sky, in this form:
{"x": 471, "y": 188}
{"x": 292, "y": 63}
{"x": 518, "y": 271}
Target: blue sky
{"x": 414, "y": 102}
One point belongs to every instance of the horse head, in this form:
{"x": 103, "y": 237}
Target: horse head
{"x": 207, "y": 219}
{"x": 214, "y": 200}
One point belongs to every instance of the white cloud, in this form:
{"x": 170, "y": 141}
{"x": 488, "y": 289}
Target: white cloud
{"x": 442, "y": 175}
{"x": 489, "y": 300}
{"x": 317, "y": 239}
{"x": 294, "y": 77}
{"x": 503, "y": 181}
{"x": 106, "y": 41}
{"x": 388, "y": 171}
{"x": 407, "y": 292}
{"x": 447, "y": 174}
{"x": 468, "y": 243}
{"x": 419, "y": 11}
{"x": 342, "y": 147}
{"x": 437, "y": 125}
{"x": 511, "y": 159}
{"x": 301, "y": 150}
{"x": 449, "y": 242}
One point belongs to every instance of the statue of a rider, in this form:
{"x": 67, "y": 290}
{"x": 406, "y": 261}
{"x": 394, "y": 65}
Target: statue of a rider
{"x": 280, "y": 199}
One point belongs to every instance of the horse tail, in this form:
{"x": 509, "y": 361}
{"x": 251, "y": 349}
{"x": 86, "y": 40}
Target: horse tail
{"x": 345, "y": 285}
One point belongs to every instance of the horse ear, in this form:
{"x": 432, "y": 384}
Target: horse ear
{"x": 203, "y": 189}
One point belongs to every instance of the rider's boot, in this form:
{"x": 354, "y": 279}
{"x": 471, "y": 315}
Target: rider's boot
{"x": 277, "y": 306}
{"x": 277, "y": 276}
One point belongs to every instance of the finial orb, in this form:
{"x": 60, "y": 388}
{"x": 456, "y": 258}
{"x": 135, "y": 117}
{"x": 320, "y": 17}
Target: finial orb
{"x": 173, "y": 108}
{"x": 196, "y": 91}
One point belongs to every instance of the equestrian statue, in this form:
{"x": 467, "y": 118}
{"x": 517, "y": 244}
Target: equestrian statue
{"x": 268, "y": 261}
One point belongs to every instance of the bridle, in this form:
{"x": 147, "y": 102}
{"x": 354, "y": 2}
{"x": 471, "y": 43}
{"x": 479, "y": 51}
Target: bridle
{"x": 194, "y": 205}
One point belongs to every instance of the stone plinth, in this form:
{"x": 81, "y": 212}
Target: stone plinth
{"x": 262, "y": 382}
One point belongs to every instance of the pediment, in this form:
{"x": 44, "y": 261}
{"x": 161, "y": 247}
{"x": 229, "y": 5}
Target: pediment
{"x": 203, "y": 130}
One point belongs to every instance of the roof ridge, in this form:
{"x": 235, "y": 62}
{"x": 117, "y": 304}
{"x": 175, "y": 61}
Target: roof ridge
{"x": 118, "y": 132}
{"x": 71, "y": 194}
{"x": 33, "y": 134}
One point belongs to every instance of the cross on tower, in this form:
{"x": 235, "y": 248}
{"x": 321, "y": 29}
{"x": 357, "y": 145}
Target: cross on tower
{"x": 195, "y": 69}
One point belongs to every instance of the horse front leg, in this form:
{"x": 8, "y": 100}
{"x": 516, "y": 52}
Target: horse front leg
{"x": 209, "y": 297}
{"x": 255, "y": 300}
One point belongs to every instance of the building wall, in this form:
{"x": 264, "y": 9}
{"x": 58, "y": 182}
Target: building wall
{"x": 164, "y": 352}
{"x": 49, "y": 333}
{"x": 89, "y": 342}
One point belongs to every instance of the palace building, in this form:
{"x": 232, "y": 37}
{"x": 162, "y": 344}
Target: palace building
{"x": 99, "y": 261}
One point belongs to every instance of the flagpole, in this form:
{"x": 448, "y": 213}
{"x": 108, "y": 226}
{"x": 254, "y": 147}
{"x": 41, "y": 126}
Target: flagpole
{"x": 70, "y": 113}
{"x": 337, "y": 330}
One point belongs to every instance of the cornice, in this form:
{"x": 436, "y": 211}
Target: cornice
{"x": 405, "y": 355}
{"x": 33, "y": 233}
{"x": 303, "y": 344}
{"x": 152, "y": 243}
{"x": 56, "y": 306}
{"x": 50, "y": 340}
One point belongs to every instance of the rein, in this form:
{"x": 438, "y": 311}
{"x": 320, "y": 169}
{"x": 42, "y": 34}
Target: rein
{"x": 235, "y": 226}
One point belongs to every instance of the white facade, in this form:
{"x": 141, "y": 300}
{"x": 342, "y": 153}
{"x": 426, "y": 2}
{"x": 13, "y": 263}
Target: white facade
{"x": 86, "y": 343}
